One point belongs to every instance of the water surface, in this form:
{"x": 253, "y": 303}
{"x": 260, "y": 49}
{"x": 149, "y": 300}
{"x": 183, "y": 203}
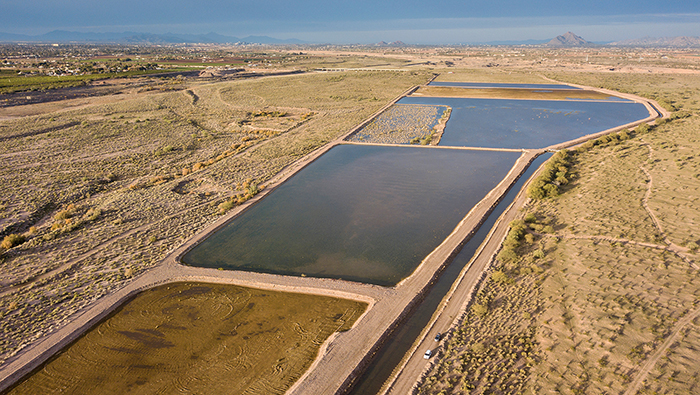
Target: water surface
{"x": 505, "y": 123}
{"x": 359, "y": 213}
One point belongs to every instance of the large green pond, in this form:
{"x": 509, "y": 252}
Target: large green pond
{"x": 197, "y": 339}
{"x": 360, "y": 213}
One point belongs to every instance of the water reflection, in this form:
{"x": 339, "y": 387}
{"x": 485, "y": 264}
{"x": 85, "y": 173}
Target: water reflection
{"x": 361, "y": 213}
{"x": 503, "y": 123}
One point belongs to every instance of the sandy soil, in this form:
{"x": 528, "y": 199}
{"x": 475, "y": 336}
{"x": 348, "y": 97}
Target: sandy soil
{"x": 343, "y": 356}
{"x": 457, "y": 300}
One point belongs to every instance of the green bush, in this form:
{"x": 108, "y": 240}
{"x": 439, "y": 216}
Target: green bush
{"x": 641, "y": 129}
{"x": 480, "y": 310}
{"x": 512, "y": 241}
{"x": 554, "y": 174}
{"x": 500, "y": 277}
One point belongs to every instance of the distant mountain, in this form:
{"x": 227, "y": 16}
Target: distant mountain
{"x": 522, "y": 42}
{"x": 62, "y": 36}
{"x": 568, "y": 40}
{"x": 678, "y": 42}
{"x": 270, "y": 40}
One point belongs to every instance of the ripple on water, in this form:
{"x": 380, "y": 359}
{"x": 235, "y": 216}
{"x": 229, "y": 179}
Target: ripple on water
{"x": 360, "y": 213}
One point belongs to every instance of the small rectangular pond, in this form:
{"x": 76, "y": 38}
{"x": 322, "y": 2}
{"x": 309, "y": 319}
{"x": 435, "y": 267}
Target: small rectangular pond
{"x": 500, "y": 85}
{"x": 504, "y": 123}
{"x": 360, "y": 213}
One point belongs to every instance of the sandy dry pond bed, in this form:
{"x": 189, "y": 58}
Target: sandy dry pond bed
{"x": 198, "y": 338}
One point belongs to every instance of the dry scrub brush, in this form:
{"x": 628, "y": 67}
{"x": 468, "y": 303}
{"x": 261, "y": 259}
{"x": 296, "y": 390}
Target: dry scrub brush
{"x": 122, "y": 184}
{"x": 592, "y": 311}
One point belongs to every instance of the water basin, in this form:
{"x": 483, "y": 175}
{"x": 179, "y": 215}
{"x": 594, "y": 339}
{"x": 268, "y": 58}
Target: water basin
{"x": 506, "y": 123}
{"x": 360, "y": 213}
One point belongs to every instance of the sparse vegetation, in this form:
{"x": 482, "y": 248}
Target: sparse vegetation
{"x": 553, "y": 176}
{"x": 595, "y": 284}
{"x": 95, "y": 194}
{"x": 404, "y": 124}
{"x": 585, "y": 290}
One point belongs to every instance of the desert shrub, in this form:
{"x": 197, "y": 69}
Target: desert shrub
{"x": 92, "y": 214}
{"x": 65, "y": 213}
{"x": 554, "y": 174}
{"x": 641, "y": 129}
{"x": 667, "y": 104}
{"x": 250, "y": 189}
{"x": 164, "y": 150}
{"x": 198, "y": 166}
{"x": 227, "y": 205}
{"x": 680, "y": 115}
{"x": 12, "y": 240}
{"x": 500, "y": 277}
{"x": 512, "y": 241}
{"x": 479, "y": 309}
{"x": 507, "y": 255}
{"x": 692, "y": 246}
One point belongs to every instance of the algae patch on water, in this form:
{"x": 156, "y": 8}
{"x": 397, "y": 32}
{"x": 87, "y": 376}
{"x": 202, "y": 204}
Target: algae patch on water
{"x": 198, "y": 338}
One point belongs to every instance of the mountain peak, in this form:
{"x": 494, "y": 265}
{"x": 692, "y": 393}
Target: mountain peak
{"x": 676, "y": 42}
{"x": 568, "y": 40}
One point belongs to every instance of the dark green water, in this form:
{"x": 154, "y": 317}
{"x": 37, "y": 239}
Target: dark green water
{"x": 359, "y": 213}
{"x": 391, "y": 353}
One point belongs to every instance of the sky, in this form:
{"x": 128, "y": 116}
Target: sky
{"x": 363, "y": 21}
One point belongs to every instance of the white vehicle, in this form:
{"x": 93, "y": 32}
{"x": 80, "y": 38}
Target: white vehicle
{"x": 428, "y": 354}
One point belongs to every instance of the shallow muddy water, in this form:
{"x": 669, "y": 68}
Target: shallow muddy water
{"x": 359, "y": 213}
{"x": 197, "y": 338}
{"x": 501, "y": 85}
{"x": 502, "y": 123}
